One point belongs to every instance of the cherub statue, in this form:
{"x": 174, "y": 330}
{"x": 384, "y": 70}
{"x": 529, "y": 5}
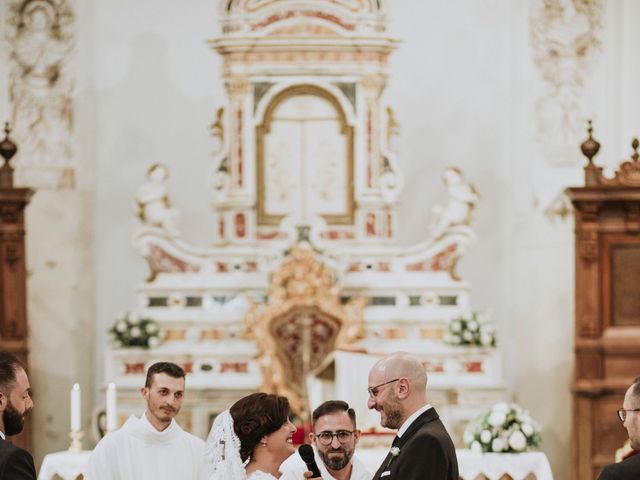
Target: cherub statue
{"x": 460, "y": 206}
{"x": 152, "y": 200}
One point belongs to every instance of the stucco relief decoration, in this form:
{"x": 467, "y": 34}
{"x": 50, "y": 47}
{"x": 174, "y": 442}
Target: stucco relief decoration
{"x": 42, "y": 39}
{"x": 565, "y": 38}
{"x": 301, "y": 323}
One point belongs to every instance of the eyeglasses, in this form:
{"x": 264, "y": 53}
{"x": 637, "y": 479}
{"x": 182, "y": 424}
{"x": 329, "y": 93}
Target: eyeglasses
{"x": 622, "y": 413}
{"x": 326, "y": 438}
{"x": 373, "y": 391}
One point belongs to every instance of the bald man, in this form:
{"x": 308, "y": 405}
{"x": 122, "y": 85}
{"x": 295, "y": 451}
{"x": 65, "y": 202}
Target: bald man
{"x": 629, "y": 415}
{"x": 422, "y": 448}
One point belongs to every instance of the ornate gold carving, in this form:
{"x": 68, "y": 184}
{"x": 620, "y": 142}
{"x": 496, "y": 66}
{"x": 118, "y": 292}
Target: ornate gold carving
{"x": 301, "y": 324}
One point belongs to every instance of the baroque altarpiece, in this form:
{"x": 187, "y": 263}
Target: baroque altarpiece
{"x": 306, "y": 285}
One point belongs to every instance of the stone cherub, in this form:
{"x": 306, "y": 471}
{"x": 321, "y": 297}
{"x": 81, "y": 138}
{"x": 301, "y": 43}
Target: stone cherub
{"x": 460, "y": 206}
{"x": 152, "y": 201}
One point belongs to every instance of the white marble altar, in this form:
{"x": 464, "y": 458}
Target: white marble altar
{"x": 306, "y": 277}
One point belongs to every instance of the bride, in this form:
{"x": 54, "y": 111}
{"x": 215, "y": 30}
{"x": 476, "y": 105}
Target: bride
{"x": 251, "y": 439}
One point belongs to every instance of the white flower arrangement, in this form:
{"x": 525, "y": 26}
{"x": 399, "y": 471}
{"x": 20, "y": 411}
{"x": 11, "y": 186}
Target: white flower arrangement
{"x": 470, "y": 329}
{"x": 506, "y": 428}
{"x": 131, "y": 330}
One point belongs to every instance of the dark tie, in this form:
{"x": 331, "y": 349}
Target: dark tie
{"x": 395, "y": 442}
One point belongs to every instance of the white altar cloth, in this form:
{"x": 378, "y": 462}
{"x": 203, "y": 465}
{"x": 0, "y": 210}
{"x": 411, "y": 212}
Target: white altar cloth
{"x": 66, "y": 465}
{"x": 491, "y": 465}
{"x": 494, "y": 465}
{"x": 69, "y": 465}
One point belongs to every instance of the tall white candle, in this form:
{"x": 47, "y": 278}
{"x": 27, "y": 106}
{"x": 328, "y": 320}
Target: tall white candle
{"x": 112, "y": 408}
{"x": 75, "y": 408}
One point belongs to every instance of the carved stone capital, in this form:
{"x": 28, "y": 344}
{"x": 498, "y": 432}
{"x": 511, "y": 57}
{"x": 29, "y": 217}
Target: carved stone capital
{"x": 238, "y": 86}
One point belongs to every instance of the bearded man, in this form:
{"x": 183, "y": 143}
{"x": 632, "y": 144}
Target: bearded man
{"x": 422, "y": 449}
{"x": 15, "y": 403}
{"x": 334, "y": 439}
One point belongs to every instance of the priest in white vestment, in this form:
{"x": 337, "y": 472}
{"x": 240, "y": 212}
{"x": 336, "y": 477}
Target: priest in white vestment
{"x": 152, "y": 447}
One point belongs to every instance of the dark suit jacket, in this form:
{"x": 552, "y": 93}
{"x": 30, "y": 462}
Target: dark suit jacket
{"x": 628, "y": 469}
{"x": 15, "y": 463}
{"x": 426, "y": 453}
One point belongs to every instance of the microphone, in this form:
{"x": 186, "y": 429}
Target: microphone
{"x": 308, "y": 457}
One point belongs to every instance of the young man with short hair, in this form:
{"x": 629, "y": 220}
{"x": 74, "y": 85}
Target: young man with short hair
{"x": 152, "y": 447}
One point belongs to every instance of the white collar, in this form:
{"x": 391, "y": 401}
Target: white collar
{"x": 2, "y": 435}
{"x": 407, "y": 423}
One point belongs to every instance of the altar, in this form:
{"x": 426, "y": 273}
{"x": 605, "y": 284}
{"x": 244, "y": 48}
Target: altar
{"x": 305, "y": 285}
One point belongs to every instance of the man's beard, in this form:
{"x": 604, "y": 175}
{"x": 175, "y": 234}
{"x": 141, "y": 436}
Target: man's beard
{"x": 13, "y": 420}
{"x": 336, "y": 463}
{"x": 394, "y": 415}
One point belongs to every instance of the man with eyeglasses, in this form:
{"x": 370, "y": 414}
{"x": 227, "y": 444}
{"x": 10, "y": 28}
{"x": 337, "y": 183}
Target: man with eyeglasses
{"x": 422, "y": 449}
{"x": 629, "y": 415}
{"x": 334, "y": 437}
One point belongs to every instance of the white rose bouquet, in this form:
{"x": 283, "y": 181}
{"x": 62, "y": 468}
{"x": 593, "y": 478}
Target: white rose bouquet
{"x": 506, "y": 428}
{"x": 131, "y": 330}
{"x": 471, "y": 329}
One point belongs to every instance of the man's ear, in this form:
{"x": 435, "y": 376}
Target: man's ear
{"x": 144, "y": 391}
{"x": 4, "y": 401}
{"x": 356, "y": 435}
{"x": 403, "y": 388}
{"x": 312, "y": 437}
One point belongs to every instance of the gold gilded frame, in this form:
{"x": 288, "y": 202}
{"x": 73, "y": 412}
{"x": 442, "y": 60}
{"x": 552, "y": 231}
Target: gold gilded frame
{"x": 346, "y": 218}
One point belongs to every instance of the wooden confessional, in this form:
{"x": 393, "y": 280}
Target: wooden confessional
{"x": 607, "y": 307}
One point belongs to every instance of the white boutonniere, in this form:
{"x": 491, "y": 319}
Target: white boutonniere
{"x": 395, "y": 451}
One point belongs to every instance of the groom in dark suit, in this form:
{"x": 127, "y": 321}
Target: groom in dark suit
{"x": 422, "y": 448}
{"x": 15, "y": 403}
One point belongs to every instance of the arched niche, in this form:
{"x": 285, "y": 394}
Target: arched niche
{"x": 305, "y": 158}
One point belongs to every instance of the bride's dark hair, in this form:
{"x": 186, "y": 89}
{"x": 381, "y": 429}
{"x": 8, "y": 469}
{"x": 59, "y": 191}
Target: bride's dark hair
{"x": 255, "y": 416}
